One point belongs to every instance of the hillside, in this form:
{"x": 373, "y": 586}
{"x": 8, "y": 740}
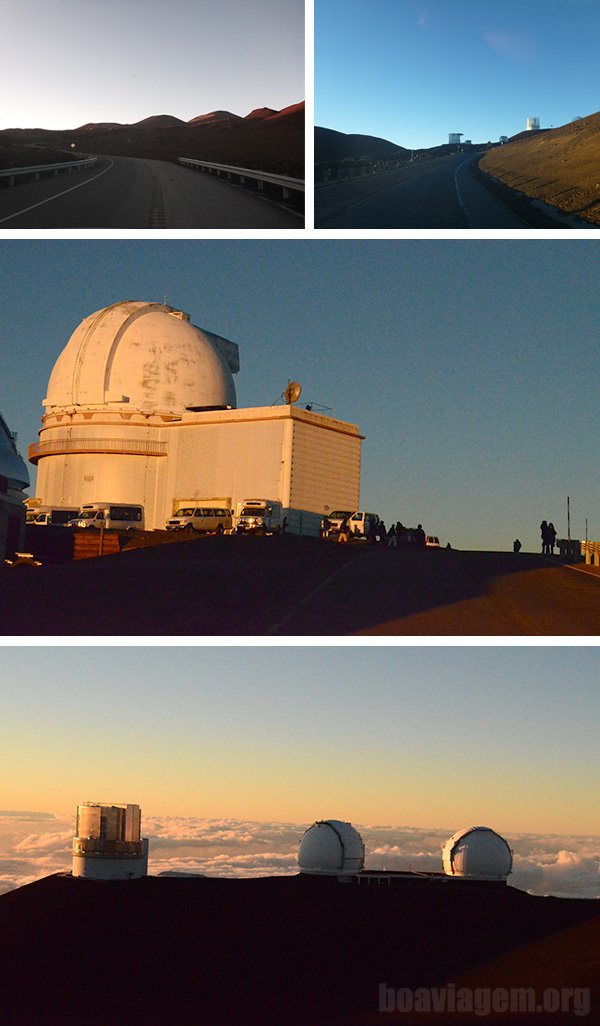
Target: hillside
{"x": 279, "y": 951}
{"x": 270, "y": 143}
{"x": 331, "y": 145}
{"x": 559, "y": 166}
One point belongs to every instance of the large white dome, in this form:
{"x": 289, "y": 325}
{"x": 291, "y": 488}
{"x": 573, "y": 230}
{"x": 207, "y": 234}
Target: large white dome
{"x": 478, "y": 853}
{"x": 331, "y": 847}
{"x": 143, "y": 356}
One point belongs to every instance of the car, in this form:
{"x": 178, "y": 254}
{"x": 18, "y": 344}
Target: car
{"x": 432, "y": 542}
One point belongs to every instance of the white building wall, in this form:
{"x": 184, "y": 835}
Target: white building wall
{"x": 306, "y": 461}
{"x": 111, "y": 867}
{"x": 325, "y": 469}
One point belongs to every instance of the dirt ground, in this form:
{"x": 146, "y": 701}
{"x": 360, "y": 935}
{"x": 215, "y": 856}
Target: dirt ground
{"x": 560, "y": 166}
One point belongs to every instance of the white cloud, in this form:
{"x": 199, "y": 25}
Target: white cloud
{"x": 516, "y": 49}
{"x": 543, "y": 864}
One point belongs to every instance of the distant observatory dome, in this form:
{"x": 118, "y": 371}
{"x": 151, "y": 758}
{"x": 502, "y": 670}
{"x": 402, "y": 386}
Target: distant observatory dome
{"x": 145, "y": 357}
{"x": 477, "y": 853}
{"x": 331, "y": 847}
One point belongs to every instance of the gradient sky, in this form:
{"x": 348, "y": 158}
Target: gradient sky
{"x": 412, "y": 71}
{"x": 68, "y": 62}
{"x": 471, "y": 366}
{"x": 442, "y": 737}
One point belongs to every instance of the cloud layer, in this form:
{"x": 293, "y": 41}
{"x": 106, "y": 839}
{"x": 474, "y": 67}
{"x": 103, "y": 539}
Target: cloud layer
{"x": 33, "y": 845}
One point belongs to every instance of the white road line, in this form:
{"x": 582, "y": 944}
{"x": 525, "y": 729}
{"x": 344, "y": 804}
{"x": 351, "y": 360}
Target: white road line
{"x": 58, "y": 195}
{"x": 308, "y": 598}
{"x": 458, "y": 195}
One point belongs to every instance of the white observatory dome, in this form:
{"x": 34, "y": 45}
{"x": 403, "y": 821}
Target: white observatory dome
{"x": 331, "y": 847}
{"x": 477, "y": 853}
{"x": 146, "y": 357}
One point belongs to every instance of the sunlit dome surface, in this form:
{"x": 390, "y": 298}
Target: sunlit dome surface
{"x": 478, "y": 853}
{"x": 143, "y": 356}
{"x": 331, "y": 847}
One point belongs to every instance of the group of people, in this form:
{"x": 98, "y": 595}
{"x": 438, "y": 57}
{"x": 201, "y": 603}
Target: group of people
{"x": 398, "y": 536}
{"x": 548, "y": 532}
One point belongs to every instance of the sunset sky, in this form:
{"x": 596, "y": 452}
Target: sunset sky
{"x": 470, "y": 365}
{"x": 420, "y": 737}
{"x": 124, "y": 60}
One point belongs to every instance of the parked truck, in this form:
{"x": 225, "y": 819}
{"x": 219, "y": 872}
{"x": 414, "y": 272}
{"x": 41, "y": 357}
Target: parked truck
{"x": 54, "y": 516}
{"x": 343, "y": 526}
{"x": 259, "y": 516}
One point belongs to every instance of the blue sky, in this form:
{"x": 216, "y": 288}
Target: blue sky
{"x": 422, "y": 737}
{"x": 412, "y": 71}
{"x": 470, "y": 365}
{"x": 68, "y": 62}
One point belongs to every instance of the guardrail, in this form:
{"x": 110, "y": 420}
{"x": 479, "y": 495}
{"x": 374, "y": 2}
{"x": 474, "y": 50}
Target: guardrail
{"x": 14, "y": 172}
{"x": 262, "y": 178}
{"x": 591, "y": 551}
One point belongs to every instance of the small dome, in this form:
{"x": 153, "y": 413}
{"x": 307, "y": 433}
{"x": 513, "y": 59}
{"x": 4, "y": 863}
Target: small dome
{"x": 143, "y": 356}
{"x": 331, "y": 847}
{"x": 477, "y": 853}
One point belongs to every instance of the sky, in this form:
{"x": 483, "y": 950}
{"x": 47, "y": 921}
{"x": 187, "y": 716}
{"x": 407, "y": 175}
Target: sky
{"x": 125, "y": 60}
{"x": 412, "y": 71}
{"x": 471, "y": 366}
{"x": 232, "y": 752}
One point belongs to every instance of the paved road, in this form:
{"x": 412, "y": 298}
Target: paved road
{"x": 440, "y": 193}
{"x": 127, "y": 192}
{"x": 300, "y": 587}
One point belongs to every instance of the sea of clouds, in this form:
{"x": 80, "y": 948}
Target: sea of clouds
{"x": 36, "y": 844}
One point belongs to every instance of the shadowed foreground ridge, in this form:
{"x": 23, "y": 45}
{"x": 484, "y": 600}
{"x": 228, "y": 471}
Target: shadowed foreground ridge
{"x": 280, "y": 951}
{"x": 297, "y": 586}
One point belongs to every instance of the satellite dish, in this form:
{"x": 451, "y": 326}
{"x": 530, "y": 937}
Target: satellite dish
{"x": 292, "y": 392}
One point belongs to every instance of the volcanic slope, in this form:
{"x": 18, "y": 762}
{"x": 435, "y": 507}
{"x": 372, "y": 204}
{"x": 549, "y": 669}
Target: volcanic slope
{"x": 560, "y": 166}
{"x": 279, "y": 951}
{"x": 269, "y": 141}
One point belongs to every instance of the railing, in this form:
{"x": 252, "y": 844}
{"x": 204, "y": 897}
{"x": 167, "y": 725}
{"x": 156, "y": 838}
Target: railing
{"x": 284, "y": 182}
{"x": 125, "y": 446}
{"x": 591, "y": 551}
{"x": 14, "y": 172}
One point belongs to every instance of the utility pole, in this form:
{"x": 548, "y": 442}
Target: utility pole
{"x": 568, "y": 518}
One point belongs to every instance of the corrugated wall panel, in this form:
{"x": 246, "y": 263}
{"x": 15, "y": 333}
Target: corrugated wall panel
{"x": 325, "y": 469}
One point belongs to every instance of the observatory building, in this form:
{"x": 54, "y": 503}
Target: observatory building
{"x": 13, "y": 480}
{"x": 331, "y": 848}
{"x": 477, "y": 853}
{"x": 109, "y": 845}
{"x": 141, "y": 409}
{"x": 532, "y": 125}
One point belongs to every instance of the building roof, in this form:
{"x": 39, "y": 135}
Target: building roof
{"x": 143, "y": 356}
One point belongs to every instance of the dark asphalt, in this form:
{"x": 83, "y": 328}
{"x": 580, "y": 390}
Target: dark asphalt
{"x": 300, "y": 587}
{"x": 440, "y": 193}
{"x": 127, "y": 192}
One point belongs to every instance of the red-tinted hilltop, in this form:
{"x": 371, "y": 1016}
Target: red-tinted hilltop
{"x": 265, "y": 139}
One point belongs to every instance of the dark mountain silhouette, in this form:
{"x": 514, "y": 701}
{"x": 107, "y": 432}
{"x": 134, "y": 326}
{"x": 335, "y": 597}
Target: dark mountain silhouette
{"x": 331, "y": 145}
{"x": 158, "y": 121}
{"x": 280, "y": 951}
{"x": 274, "y": 143}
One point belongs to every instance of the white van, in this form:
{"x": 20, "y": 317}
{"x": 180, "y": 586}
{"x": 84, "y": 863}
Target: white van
{"x": 259, "y": 516}
{"x": 55, "y": 516}
{"x": 111, "y": 516}
{"x": 358, "y": 525}
{"x": 204, "y": 519}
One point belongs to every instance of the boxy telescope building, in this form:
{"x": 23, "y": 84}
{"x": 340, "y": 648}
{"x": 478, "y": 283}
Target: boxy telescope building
{"x": 141, "y": 409}
{"x": 109, "y": 843}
